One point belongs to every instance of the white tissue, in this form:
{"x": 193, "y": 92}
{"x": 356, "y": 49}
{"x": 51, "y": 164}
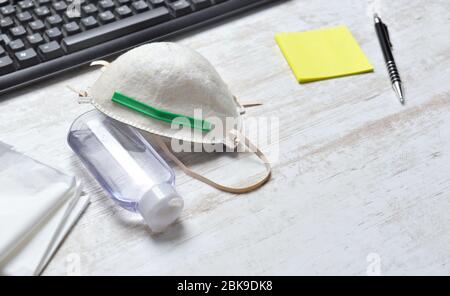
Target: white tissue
{"x": 38, "y": 206}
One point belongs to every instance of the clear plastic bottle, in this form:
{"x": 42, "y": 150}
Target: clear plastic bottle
{"x": 127, "y": 167}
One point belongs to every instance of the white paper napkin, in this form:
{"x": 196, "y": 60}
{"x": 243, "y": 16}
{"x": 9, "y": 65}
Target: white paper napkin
{"x": 38, "y": 206}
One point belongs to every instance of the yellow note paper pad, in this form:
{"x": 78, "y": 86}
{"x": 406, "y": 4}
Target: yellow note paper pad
{"x": 322, "y": 54}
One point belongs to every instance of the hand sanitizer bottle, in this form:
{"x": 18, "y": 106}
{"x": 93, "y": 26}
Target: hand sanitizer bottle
{"x": 127, "y": 167}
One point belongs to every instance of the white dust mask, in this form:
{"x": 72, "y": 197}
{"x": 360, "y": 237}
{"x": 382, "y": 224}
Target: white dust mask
{"x": 172, "y": 91}
{"x": 173, "y": 78}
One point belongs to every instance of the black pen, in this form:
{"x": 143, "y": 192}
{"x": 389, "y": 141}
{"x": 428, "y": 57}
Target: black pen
{"x": 386, "y": 47}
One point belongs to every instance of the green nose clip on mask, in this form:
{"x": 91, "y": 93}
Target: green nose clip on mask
{"x": 156, "y": 86}
{"x": 161, "y": 114}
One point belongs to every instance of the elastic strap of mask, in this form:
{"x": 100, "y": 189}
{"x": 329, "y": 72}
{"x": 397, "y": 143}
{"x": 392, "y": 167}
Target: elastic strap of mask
{"x": 83, "y": 97}
{"x": 158, "y": 140}
{"x": 100, "y": 63}
{"x": 243, "y": 105}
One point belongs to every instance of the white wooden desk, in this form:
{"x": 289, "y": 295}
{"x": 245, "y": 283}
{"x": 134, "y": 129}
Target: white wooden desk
{"x": 357, "y": 173}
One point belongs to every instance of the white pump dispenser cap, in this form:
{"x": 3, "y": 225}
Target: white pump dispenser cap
{"x": 160, "y": 206}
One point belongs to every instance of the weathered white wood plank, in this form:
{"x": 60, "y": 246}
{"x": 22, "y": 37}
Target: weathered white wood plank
{"x": 357, "y": 172}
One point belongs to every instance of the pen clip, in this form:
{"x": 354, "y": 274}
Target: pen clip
{"x": 386, "y": 33}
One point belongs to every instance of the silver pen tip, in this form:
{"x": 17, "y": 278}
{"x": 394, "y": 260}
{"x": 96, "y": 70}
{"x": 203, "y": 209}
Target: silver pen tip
{"x": 397, "y": 86}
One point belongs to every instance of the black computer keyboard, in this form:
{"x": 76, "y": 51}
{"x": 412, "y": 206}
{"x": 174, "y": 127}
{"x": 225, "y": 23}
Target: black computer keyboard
{"x": 40, "y": 38}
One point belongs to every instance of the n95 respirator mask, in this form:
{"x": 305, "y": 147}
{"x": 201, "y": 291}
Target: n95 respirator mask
{"x": 172, "y": 91}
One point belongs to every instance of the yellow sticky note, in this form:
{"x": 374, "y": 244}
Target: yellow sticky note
{"x": 322, "y": 54}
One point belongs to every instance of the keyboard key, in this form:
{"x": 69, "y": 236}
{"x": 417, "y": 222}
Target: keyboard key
{"x": 27, "y": 58}
{"x": 89, "y": 9}
{"x": 200, "y": 4}
{"x": 180, "y": 7}
{"x": 53, "y": 34}
{"x": 18, "y": 32}
{"x": 123, "y": 11}
{"x": 24, "y": 17}
{"x": 59, "y": 6}
{"x": 35, "y": 39}
{"x": 157, "y": 3}
{"x": 6, "y": 65}
{"x": 81, "y": 2}
{"x": 37, "y": 26}
{"x": 140, "y": 6}
{"x": 50, "y": 50}
{"x": 106, "y": 5}
{"x": 7, "y": 10}
{"x": 53, "y": 20}
{"x": 42, "y": 12}
{"x": 26, "y": 4}
{"x": 89, "y": 22}
{"x": 2, "y": 51}
{"x": 16, "y": 45}
{"x": 4, "y": 39}
{"x": 116, "y": 29}
{"x": 6, "y": 23}
{"x": 71, "y": 28}
{"x": 106, "y": 17}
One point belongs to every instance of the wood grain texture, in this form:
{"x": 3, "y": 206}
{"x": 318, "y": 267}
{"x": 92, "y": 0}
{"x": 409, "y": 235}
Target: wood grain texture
{"x": 357, "y": 173}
